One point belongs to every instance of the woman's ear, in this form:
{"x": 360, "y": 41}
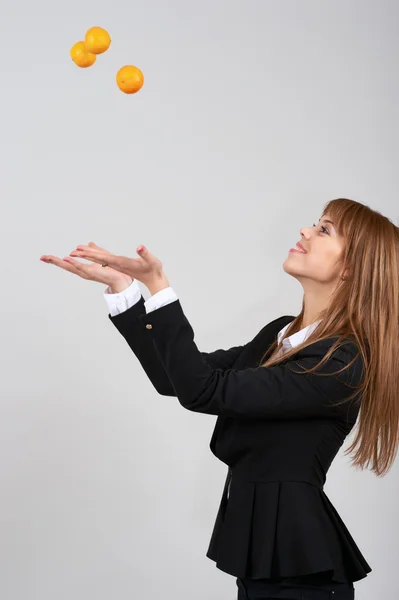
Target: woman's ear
{"x": 345, "y": 275}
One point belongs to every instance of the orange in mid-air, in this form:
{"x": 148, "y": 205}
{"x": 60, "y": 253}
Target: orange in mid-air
{"x": 81, "y": 57}
{"x": 129, "y": 79}
{"x": 97, "y": 40}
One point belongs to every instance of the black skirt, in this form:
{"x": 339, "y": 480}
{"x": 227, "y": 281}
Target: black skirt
{"x": 266, "y": 588}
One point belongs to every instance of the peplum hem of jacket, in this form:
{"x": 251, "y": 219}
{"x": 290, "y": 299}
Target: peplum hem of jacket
{"x": 282, "y": 529}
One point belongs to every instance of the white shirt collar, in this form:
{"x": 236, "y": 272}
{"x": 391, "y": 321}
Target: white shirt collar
{"x": 296, "y": 338}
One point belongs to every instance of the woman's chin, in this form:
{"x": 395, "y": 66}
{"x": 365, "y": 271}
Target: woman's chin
{"x": 289, "y": 267}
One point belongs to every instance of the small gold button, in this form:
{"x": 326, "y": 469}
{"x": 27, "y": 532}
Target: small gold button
{"x": 148, "y": 326}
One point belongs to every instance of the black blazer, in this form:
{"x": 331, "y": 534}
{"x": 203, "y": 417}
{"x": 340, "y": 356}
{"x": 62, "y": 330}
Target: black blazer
{"x": 277, "y": 431}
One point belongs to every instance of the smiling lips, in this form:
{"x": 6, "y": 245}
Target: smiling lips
{"x": 299, "y": 248}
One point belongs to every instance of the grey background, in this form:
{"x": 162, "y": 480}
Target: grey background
{"x": 253, "y": 114}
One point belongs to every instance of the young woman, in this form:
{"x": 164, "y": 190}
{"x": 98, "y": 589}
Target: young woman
{"x": 286, "y": 400}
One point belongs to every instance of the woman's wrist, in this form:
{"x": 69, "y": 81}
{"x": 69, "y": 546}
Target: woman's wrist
{"x": 158, "y": 283}
{"x": 120, "y": 285}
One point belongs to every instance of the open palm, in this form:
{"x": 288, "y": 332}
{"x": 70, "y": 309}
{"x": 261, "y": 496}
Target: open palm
{"x": 143, "y": 268}
{"x": 90, "y": 271}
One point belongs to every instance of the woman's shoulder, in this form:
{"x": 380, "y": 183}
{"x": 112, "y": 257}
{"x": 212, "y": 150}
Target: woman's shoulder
{"x": 269, "y": 332}
{"x": 277, "y": 324}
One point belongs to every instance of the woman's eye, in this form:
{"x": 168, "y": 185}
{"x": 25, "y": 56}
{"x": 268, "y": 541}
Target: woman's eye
{"x": 322, "y": 228}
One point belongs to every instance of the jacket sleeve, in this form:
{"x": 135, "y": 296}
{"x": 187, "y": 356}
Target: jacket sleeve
{"x": 130, "y": 325}
{"x": 273, "y": 392}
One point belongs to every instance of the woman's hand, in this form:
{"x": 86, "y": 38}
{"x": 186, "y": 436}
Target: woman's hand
{"x": 147, "y": 268}
{"x": 93, "y": 272}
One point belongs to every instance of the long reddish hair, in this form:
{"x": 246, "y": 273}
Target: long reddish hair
{"x": 365, "y": 309}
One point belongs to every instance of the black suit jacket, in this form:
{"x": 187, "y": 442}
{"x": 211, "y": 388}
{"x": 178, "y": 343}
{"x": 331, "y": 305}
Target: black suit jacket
{"x": 278, "y": 431}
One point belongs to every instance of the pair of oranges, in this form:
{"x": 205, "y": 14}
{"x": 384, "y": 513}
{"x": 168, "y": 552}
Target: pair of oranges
{"x": 97, "y": 40}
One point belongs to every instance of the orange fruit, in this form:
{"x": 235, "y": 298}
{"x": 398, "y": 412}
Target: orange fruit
{"x": 129, "y": 79}
{"x": 97, "y": 40}
{"x": 81, "y": 57}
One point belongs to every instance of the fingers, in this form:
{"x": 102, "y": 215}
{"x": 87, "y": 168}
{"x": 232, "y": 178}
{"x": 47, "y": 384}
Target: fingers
{"x": 128, "y": 266}
{"x": 80, "y": 267}
{"x": 93, "y": 245}
{"x": 59, "y": 262}
{"x": 151, "y": 261}
{"x": 93, "y": 253}
{"x": 137, "y": 268}
{"x": 98, "y": 255}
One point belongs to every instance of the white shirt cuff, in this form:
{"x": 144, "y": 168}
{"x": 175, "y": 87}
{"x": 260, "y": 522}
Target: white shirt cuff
{"x": 122, "y": 301}
{"x": 165, "y": 296}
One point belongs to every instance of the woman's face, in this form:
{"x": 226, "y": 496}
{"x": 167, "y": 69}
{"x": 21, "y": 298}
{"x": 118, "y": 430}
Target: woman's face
{"x": 322, "y": 263}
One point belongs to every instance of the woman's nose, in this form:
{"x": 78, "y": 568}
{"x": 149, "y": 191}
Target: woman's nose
{"x": 305, "y": 231}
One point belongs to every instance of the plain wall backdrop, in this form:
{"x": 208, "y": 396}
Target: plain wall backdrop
{"x": 252, "y": 116}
